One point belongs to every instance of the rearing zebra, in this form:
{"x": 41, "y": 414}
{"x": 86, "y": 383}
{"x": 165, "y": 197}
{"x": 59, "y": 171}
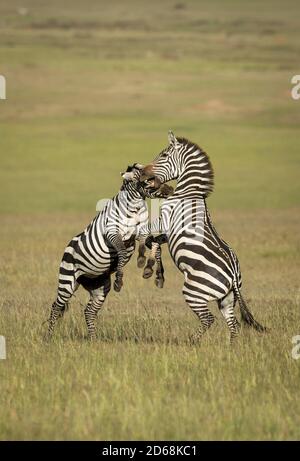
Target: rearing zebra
{"x": 210, "y": 267}
{"x": 105, "y": 246}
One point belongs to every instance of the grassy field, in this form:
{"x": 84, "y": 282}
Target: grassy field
{"x": 91, "y": 87}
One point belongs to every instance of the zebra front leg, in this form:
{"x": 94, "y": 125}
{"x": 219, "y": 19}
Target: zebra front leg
{"x": 141, "y": 253}
{"x": 148, "y": 271}
{"x": 226, "y": 306}
{"x": 97, "y": 298}
{"x": 118, "y": 283}
{"x": 159, "y": 279}
{"x": 154, "y": 243}
{"x": 118, "y": 244}
{"x": 199, "y": 307}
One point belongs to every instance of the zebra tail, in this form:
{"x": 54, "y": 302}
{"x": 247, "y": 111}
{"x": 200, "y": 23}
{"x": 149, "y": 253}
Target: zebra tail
{"x": 246, "y": 315}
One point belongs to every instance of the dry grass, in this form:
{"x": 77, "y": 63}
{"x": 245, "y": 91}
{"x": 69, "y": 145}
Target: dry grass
{"x": 141, "y": 379}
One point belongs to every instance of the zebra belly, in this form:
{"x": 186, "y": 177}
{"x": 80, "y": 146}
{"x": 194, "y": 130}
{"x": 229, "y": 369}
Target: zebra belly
{"x": 206, "y": 271}
{"x": 109, "y": 265}
{"x": 84, "y": 259}
{"x": 209, "y": 266}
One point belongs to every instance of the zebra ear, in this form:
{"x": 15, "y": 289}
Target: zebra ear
{"x": 171, "y": 138}
{"x": 138, "y": 166}
{"x": 129, "y": 175}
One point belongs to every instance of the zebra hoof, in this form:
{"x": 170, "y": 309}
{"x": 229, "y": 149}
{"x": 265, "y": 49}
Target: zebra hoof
{"x": 47, "y": 338}
{"x": 195, "y": 338}
{"x": 92, "y": 337}
{"x": 233, "y": 339}
{"x": 148, "y": 272}
{"x": 141, "y": 262}
{"x": 159, "y": 283}
{"x": 118, "y": 285}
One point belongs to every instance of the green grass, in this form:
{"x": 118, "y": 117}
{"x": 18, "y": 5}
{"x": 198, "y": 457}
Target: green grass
{"x": 91, "y": 87}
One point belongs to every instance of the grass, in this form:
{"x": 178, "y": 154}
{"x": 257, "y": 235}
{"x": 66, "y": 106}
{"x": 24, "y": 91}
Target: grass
{"x": 89, "y": 90}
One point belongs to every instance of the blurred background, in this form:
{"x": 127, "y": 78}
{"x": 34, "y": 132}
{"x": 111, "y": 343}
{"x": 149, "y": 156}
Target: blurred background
{"x": 91, "y": 87}
{"x": 94, "y": 85}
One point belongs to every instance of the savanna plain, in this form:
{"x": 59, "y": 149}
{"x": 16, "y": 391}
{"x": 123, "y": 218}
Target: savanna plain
{"x": 92, "y": 87}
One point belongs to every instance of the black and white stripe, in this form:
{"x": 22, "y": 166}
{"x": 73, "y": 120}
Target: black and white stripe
{"x": 105, "y": 246}
{"x": 210, "y": 267}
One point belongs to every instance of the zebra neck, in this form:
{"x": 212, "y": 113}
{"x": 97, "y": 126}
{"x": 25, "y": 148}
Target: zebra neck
{"x": 192, "y": 192}
{"x": 190, "y": 183}
{"x": 196, "y": 176}
{"x": 212, "y": 228}
{"x": 131, "y": 199}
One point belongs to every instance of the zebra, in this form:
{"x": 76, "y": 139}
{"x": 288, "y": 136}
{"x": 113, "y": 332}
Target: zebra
{"x": 105, "y": 246}
{"x": 210, "y": 266}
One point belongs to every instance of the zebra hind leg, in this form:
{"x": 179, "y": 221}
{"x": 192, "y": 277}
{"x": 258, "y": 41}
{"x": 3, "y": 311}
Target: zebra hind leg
{"x": 56, "y": 313}
{"x": 97, "y": 298}
{"x": 226, "y": 306}
{"x": 200, "y": 308}
{"x": 60, "y": 305}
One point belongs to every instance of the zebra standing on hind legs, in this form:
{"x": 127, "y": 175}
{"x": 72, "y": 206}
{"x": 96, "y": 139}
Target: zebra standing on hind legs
{"x": 105, "y": 246}
{"x": 210, "y": 267}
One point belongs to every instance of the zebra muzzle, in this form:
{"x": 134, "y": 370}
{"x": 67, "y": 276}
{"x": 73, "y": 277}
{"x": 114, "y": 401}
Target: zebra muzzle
{"x": 166, "y": 190}
{"x": 147, "y": 173}
{"x": 152, "y": 183}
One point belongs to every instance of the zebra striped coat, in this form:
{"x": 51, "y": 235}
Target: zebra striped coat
{"x": 210, "y": 267}
{"x": 104, "y": 247}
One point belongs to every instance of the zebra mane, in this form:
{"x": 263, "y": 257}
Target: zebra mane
{"x": 207, "y": 177}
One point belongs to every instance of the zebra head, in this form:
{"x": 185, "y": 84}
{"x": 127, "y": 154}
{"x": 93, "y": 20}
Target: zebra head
{"x": 184, "y": 161}
{"x": 150, "y": 187}
{"x": 166, "y": 165}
